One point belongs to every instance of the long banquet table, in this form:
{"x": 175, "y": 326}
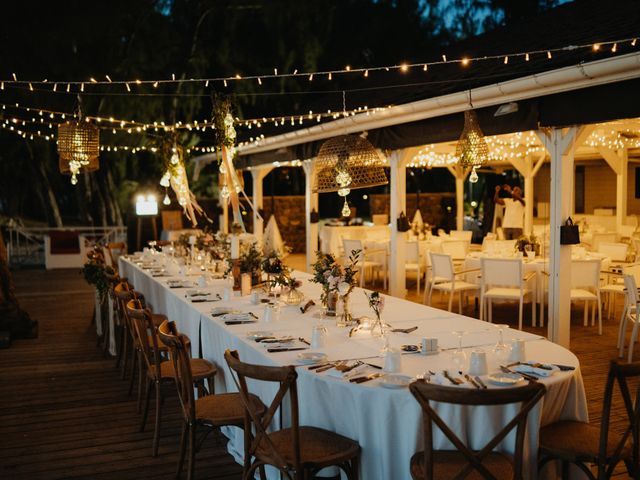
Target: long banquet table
{"x": 385, "y": 422}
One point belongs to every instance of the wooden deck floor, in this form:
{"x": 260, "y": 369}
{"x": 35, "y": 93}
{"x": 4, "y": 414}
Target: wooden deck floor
{"x": 64, "y": 412}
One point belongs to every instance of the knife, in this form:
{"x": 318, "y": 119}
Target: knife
{"x": 201, "y": 300}
{"x": 303, "y": 340}
{"x": 472, "y": 381}
{"x": 479, "y": 380}
{"x": 275, "y": 350}
{"x": 455, "y": 381}
{"x": 366, "y": 378}
{"x": 525, "y": 375}
{"x": 238, "y": 322}
{"x": 315, "y": 367}
{"x": 404, "y": 330}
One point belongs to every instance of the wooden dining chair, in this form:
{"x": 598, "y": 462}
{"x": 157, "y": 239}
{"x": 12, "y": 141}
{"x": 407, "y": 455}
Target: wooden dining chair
{"x": 465, "y": 462}
{"x": 210, "y": 411}
{"x": 159, "y": 370}
{"x": 581, "y": 444}
{"x": 298, "y": 452}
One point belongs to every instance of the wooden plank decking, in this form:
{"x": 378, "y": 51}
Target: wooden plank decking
{"x": 64, "y": 411}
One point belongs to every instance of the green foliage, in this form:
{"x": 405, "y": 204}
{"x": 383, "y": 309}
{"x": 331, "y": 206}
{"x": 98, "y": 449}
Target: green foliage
{"x": 96, "y": 274}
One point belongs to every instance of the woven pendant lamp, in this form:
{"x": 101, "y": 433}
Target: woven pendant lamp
{"x": 472, "y": 149}
{"x": 78, "y": 147}
{"x": 346, "y": 163}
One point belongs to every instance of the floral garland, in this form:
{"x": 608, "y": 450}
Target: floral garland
{"x": 175, "y": 176}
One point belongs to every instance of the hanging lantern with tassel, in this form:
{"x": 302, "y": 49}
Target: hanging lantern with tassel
{"x": 346, "y": 163}
{"x": 78, "y": 147}
{"x": 472, "y": 150}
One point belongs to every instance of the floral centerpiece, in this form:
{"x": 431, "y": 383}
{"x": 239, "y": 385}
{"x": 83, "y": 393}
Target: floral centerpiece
{"x": 294, "y": 296}
{"x": 376, "y": 302}
{"x": 248, "y": 262}
{"x": 277, "y": 272}
{"x": 95, "y": 273}
{"x": 524, "y": 241}
{"x": 343, "y": 281}
{"x": 321, "y": 271}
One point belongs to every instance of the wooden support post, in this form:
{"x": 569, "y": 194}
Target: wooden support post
{"x": 398, "y": 203}
{"x": 310, "y": 203}
{"x": 258, "y": 175}
{"x": 561, "y": 145}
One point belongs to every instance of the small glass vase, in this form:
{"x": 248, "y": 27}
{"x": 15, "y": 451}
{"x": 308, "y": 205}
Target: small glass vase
{"x": 332, "y": 303}
{"x": 344, "y": 319}
{"x": 294, "y": 297}
{"x": 377, "y": 329}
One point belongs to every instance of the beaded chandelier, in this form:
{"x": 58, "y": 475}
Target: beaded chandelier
{"x": 78, "y": 147}
{"x": 472, "y": 149}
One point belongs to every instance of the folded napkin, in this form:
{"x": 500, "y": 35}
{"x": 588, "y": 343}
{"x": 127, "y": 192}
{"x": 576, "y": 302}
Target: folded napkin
{"x": 539, "y": 372}
{"x": 197, "y": 293}
{"x": 346, "y": 375}
{"x": 235, "y": 317}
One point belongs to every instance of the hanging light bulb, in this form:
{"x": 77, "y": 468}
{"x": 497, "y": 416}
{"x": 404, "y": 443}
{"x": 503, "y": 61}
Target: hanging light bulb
{"x": 165, "y": 180}
{"x": 473, "y": 178}
{"x": 346, "y": 211}
{"x": 224, "y": 192}
{"x": 343, "y": 192}
{"x": 175, "y": 158}
{"x": 167, "y": 200}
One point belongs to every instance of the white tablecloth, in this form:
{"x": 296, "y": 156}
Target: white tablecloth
{"x": 386, "y": 423}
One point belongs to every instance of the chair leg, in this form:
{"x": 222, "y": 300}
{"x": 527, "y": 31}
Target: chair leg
{"x": 599, "y": 315}
{"x": 125, "y": 354}
{"x": 622, "y": 327}
{"x": 460, "y": 303}
{"x": 192, "y": 452}
{"x": 520, "y": 308}
{"x": 156, "y": 432}
{"x": 490, "y": 308}
{"x": 450, "y": 299}
{"x": 481, "y": 306}
{"x": 141, "y": 377}
{"x": 147, "y": 398}
{"x": 132, "y": 371}
{"x": 586, "y": 314}
{"x": 632, "y": 341}
{"x": 183, "y": 444}
{"x": 533, "y": 310}
{"x": 430, "y": 294}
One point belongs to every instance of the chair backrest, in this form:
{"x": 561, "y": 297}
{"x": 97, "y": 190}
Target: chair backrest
{"x": 461, "y": 235}
{"x": 380, "y": 219}
{"x": 619, "y": 373}
{"x": 287, "y": 378}
{"x": 413, "y": 252}
{"x": 631, "y": 288}
{"x": 633, "y": 269}
{"x": 147, "y": 336}
{"x": 498, "y": 246}
{"x": 442, "y": 266}
{"x": 616, "y": 251}
{"x": 349, "y": 245}
{"x": 456, "y": 248}
{"x": 602, "y": 238}
{"x": 179, "y": 350}
{"x": 585, "y": 273}
{"x": 501, "y": 272}
{"x": 115, "y": 250}
{"x": 526, "y": 396}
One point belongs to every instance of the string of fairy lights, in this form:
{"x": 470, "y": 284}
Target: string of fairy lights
{"x": 33, "y": 122}
{"x": 509, "y": 58}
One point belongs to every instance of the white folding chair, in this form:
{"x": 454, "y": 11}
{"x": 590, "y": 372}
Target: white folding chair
{"x": 585, "y": 286}
{"x": 615, "y": 288}
{"x": 413, "y": 262}
{"x": 461, "y": 235}
{"x": 443, "y": 278}
{"x": 456, "y": 248}
{"x": 630, "y": 315}
{"x": 502, "y": 279}
{"x": 349, "y": 245}
{"x": 616, "y": 251}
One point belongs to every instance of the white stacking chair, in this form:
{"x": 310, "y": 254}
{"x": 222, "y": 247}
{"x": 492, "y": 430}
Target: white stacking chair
{"x": 585, "y": 286}
{"x": 616, "y": 287}
{"x": 364, "y": 264}
{"x": 413, "y": 262}
{"x": 630, "y": 315}
{"x": 456, "y": 248}
{"x": 602, "y": 237}
{"x": 461, "y": 235}
{"x": 443, "y": 278}
{"x": 616, "y": 251}
{"x": 502, "y": 279}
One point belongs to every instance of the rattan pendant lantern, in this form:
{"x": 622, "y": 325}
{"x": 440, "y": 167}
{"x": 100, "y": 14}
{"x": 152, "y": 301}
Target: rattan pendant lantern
{"x": 472, "y": 150}
{"x": 346, "y": 163}
{"x": 78, "y": 147}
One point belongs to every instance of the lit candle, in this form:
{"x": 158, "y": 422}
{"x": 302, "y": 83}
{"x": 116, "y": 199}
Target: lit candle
{"x": 192, "y": 240}
{"x": 245, "y": 284}
{"x": 235, "y": 247}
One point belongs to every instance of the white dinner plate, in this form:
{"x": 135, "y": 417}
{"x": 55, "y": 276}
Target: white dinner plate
{"x": 236, "y": 316}
{"x": 259, "y": 334}
{"x": 395, "y": 381}
{"x": 505, "y": 379}
{"x": 307, "y": 358}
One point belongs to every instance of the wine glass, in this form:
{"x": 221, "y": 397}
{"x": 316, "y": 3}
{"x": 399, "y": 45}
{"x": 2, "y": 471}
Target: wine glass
{"x": 501, "y": 350}
{"x": 459, "y": 356}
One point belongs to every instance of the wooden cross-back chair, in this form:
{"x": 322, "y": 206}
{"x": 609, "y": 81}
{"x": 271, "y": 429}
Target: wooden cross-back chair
{"x": 462, "y": 462}
{"x": 580, "y": 443}
{"x": 114, "y": 251}
{"x": 159, "y": 370}
{"x": 298, "y": 452}
{"x": 210, "y": 411}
